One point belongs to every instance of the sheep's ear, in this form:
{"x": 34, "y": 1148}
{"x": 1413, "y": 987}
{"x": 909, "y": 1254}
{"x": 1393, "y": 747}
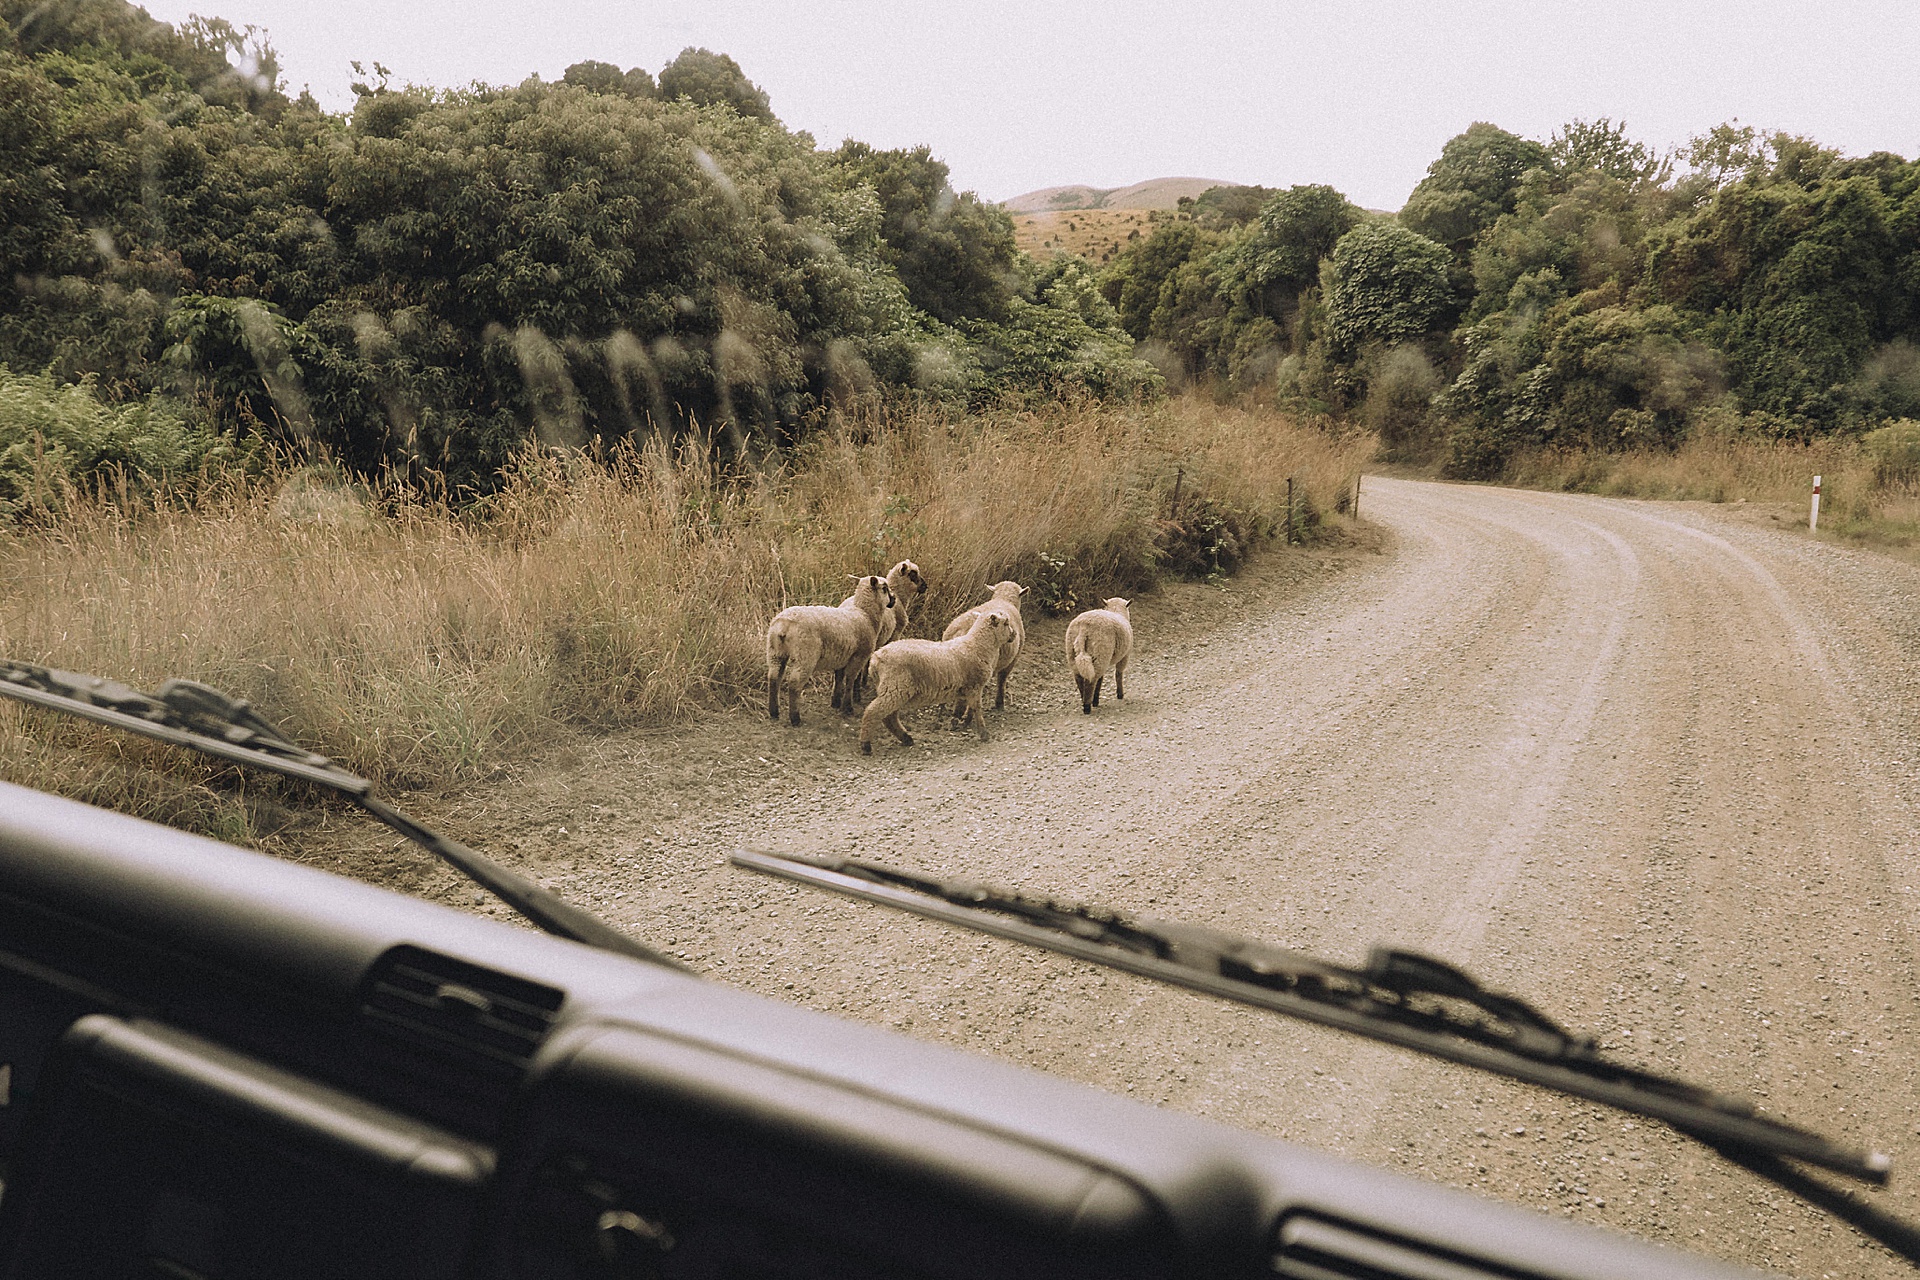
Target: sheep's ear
{"x": 1023, "y": 590}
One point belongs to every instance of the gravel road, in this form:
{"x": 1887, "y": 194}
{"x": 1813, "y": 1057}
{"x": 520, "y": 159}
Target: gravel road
{"x": 1647, "y": 765}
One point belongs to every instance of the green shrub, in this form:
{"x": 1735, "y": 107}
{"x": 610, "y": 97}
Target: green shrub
{"x": 58, "y": 438}
{"x": 1895, "y": 452}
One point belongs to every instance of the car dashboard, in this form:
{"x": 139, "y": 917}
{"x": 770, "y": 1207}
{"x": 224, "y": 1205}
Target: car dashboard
{"x": 216, "y": 1065}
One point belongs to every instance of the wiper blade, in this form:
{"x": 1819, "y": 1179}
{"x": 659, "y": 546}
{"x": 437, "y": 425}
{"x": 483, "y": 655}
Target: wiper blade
{"x": 192, "y": 715}
{"x": 1400, "y": 997}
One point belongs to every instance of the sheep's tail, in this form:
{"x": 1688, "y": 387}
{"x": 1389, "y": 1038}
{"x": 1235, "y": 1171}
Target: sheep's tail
{"x": 1083, "y": 665}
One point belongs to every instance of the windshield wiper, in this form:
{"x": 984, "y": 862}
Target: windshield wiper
{"x": 196, "y": 716}
{"x": 1400, "y": 997}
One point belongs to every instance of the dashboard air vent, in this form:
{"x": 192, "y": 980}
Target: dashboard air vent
{"x": 482, "y": 1019}
{"x": 1310, "y": 1248}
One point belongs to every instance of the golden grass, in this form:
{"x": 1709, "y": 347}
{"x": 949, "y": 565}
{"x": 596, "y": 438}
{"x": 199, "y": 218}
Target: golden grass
{"x": 1857, "y": 501}
{"x": 422, "y": 645}
{"x": 1095, "y": 234}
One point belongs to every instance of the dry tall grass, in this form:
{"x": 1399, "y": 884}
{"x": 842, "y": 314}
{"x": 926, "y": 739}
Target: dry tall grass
{"x": 1861, "y": 499}
{"x": 421, "y": 644}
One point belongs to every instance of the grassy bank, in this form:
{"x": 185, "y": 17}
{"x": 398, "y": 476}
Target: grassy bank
{"x": 1870, "y": 488}
{"x": 424, "y": 645}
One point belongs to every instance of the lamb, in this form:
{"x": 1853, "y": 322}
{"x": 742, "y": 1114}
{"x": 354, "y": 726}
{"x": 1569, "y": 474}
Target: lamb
{"x": 920, "y": 673}
{"x": 1099, "y": 641}
{"x": 805, "y": 638}
{"x": 1006, "y": 603}
{"x": 905, "y": 582}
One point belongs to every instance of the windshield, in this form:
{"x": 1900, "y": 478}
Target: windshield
{"x": 470, "y": 392}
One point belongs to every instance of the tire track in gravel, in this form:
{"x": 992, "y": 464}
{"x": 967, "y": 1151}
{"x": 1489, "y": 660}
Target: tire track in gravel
{"x": 1642, "y": 764}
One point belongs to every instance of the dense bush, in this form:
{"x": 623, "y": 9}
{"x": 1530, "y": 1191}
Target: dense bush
{"x": 1579, "y": 292}
{"x": 428, "y": 282}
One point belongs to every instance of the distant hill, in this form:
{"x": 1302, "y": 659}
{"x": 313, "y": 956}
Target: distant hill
{"x": 1094, "y": 234}
{"x": 1154, "y": 193}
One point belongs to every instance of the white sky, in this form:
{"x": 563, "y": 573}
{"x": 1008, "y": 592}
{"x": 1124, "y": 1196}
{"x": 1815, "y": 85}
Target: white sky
{"x": 1015, "y": 96}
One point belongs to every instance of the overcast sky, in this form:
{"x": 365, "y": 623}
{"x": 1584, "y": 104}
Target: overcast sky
{"x": 1015, "y": 96}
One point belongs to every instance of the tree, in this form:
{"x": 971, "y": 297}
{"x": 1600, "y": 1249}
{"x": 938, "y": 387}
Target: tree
{"x": 1295, "y": 229}
{"x": 706, "y": 78}
{"x": 1225, "y": 206}
{"x": 1724, "y": 154}
{"x": 604, "y": 77}
{"x": 1385, "y": 284}
{"x": 954, "y": 253}
{"x": 1472, "y": 183}
{"x": 1137, "y": 279}
{"x": 1601, "y": 146}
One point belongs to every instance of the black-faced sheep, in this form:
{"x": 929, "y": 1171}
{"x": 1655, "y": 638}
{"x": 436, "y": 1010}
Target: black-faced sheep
{"x": 1099, "y": 641}
{"x": 908, "y": 674}
{"x": 805, "y": 638}
{"x": 1005, "y": 603}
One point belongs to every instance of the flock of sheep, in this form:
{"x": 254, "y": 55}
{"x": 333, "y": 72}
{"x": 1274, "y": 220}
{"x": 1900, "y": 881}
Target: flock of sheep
{"x": 863, "y": 640}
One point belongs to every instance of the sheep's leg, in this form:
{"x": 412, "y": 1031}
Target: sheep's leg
{"x": 1086, "y": 693}
{"x": 793, "y": 702}
{"x": 881, "y": 711}
{"x": 776, "y": 672}
{"x": 842, "y": 701}
{"x": 1097, "y": 682}
{"x": 1120, "y": 680}
{"x": 1000, "y": 698}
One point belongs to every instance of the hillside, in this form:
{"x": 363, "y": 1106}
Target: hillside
{"x": 1093, "y": 234}
{"x": 1154, "y": 193}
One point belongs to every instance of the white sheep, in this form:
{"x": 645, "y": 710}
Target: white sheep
{"x": 1099, "y": 641}
{"x": 920, "y": 673}
{"x": 1005, "y": 603}
{"x": 805, "y": 638}
{"x": 905, "y": 582}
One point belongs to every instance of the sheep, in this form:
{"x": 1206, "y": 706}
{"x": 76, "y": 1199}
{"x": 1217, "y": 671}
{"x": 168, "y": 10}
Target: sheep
{"x": 919, "y": 673}
{"x": 1006, "y": 603}
{"x": 1099, "y": 641}
{"x": 905, "y": 582}
{"x": 805, "y": 638}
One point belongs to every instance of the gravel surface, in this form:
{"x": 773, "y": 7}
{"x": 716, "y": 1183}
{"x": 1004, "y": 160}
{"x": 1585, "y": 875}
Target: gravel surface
{"x": 1647, "y": 765}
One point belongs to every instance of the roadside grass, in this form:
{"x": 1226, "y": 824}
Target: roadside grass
{"x": 424, "y": 644}
{"x": 1870, "y": 493}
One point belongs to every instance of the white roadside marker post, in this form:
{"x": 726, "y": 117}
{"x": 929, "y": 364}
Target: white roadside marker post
{"x": 1813, "y": 520}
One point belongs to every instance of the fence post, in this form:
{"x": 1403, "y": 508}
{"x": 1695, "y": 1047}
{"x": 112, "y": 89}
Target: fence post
{"x": 1813, "y": 520}
{"x": 1289, "y": 510}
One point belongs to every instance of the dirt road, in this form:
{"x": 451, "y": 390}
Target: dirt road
{"x": 1648, "y": 765}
